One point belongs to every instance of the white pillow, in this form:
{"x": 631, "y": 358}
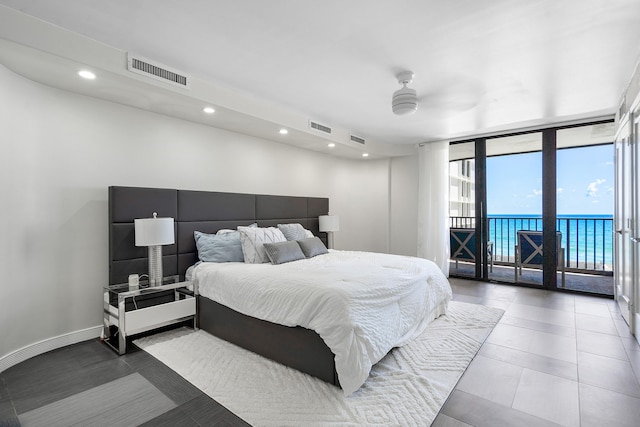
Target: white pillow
{"x": 307, "y": 233}
{"x": 253, "y": 240}
{"x": 225, "y": 231}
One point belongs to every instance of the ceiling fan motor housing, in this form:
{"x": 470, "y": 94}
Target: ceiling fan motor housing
{"x": 405, "y": 100}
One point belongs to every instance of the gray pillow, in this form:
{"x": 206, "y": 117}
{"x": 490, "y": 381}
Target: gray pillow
{"x": 224, "y": 247}
{"x": 312, "y": 246}
{"x": 282, "y": 252}
{"x": 292, "y": 231}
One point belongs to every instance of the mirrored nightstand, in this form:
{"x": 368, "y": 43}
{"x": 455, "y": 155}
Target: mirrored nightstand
{"x": 132, "y": 310}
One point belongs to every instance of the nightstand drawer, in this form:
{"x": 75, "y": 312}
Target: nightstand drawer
{"x": 147, "y": 318}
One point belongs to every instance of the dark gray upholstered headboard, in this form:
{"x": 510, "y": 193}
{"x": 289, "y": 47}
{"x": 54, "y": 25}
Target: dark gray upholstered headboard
{"x": 194, "y": 210}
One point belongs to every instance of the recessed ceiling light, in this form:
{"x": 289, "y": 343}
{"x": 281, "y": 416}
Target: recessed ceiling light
{"x": 283, "y": 131}
{"x": 331, "y": 145}
{"x": 209, "y": 110}
{"x": 365, "y": 154}
{"x": 86, "y": 74}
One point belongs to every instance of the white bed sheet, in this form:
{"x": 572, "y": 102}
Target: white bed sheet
{"x": 362, "y": 304}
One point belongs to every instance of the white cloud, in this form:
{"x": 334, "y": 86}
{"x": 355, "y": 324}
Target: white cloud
{"x": 592, "y": 188}
{"x": 534, "y": 193}
{"x": 559, "y": 190}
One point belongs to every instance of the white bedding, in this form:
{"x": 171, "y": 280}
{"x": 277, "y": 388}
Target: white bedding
{"x": 362, "y": 304}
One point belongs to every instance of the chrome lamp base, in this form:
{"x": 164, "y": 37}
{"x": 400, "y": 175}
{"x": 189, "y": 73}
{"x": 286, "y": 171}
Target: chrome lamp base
{"x": 155, "y": 265}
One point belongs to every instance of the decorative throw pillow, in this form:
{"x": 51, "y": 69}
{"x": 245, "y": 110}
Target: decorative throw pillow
{"x": 253, "y": 240}
{"x": 292, "y": 231}
{"x": 225, "y": 231}
{"x": 224, "y": 247}
{"x": 282, "y": 252}
{"x": 312, "y": 247}
{"x": 307, "y": 234}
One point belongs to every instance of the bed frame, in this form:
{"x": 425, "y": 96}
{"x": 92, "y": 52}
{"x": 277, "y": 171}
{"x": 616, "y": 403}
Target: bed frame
{"x": 208, "y": 212}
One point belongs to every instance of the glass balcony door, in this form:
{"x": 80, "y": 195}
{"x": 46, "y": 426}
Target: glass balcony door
{"x": 514, "y": 208}
{"x": 465, "y": 245}
{"x": 623, "y": 225}
{"x": 585, "y": 205}
{"x": 513, "y": 192}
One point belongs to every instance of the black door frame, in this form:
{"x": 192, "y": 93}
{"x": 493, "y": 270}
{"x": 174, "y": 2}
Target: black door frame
{"x": 549, "y": 203}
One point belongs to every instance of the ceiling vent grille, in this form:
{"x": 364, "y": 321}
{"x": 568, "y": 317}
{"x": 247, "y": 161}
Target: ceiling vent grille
{"x": 156, "y": 71}
{"x": 319, "y": 127}
{"x": 357, "y": 139}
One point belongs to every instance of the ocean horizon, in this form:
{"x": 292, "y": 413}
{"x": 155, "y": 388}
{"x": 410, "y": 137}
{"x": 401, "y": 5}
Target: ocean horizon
{"x": 586, "y": 238}
{"x": 558, "y": 215}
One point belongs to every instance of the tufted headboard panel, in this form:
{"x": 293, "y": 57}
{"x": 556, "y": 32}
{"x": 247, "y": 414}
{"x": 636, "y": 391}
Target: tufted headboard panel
{"x": 204, "y": 211}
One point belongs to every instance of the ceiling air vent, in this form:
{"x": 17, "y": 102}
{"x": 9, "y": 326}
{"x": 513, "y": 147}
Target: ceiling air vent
{"x": 357, "y": 139}
{"x": 154, "y": 70}
{"x": 319, "y": 127}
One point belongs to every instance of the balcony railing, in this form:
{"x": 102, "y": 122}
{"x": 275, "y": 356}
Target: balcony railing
{"x": 588, "y": 241}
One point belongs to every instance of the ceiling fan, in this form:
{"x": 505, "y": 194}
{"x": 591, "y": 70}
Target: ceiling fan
{"x": 404, "y": 100}
{"x": 454, "y": 94}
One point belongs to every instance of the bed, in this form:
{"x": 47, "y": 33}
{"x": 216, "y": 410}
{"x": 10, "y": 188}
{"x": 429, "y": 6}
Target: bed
{"x": 280, "y": 339}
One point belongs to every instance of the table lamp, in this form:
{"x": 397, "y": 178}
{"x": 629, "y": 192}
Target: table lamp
{"x": 153, "y": 233}
{"x": 329, "y": 224}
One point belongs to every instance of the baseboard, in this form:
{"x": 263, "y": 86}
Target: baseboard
{"x": 49, "y": 344}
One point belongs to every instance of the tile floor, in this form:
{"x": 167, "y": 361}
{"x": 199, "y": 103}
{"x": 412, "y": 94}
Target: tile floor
{"x": 77, "y": 373}
{"x": 553, "y": 359}
{"x": 594, "y": 283}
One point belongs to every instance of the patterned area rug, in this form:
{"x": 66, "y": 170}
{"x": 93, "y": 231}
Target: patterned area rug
{"x": 407, "y": 387}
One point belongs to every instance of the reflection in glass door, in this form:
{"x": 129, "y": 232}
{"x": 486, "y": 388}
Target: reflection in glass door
{"x": 585, "y": 205}
{"x": 623, "y": 232}
{"x": 462, "y": 210}
{"x": 514, "y": 208}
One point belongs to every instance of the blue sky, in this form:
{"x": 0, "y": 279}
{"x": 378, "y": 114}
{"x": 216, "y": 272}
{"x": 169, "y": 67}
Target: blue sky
{"x": 585, "y": 181}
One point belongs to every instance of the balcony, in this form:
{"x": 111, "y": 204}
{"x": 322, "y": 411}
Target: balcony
{"x": 587, "y": 243}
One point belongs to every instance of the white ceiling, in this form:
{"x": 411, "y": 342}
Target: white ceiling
{"x": 480, "y": 66}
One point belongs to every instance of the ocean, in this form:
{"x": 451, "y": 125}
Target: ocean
{"x": 587, "y": 239}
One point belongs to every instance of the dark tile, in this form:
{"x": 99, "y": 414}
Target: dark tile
{"x": 206, "y": 412}
{"x": 127, "y": 401}
{"x": 173, "y": 418}
{"x": 165, "y": 379}
{"x": 66, "y": 358}
{"x": 32, "y": 389}
{"x": 8, "y": 416}
{"x": 136, "y": 357}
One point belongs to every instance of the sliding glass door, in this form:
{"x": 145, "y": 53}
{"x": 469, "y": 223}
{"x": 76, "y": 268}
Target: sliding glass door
{"x": 514, "y": 208}
{"x": 534, "y": 208}
{"x": 585, "y": 205}
{"x": 462, "y": 210}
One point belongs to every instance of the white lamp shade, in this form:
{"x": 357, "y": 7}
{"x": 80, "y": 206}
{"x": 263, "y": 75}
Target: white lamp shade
{"x": 154, "y": 231}
{"x": 329, "y": 222}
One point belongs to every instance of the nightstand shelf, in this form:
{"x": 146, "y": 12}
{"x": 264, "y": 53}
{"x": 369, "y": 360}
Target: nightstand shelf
{"x": 133, "y": 310}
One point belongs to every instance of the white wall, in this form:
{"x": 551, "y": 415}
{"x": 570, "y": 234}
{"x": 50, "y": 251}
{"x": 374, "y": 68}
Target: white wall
{"x": 60, "y": 152}
{"x": 403, "y": 205}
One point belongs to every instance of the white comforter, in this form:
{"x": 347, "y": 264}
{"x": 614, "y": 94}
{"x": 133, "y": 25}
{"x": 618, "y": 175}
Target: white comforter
{"x": 362, "y": 304}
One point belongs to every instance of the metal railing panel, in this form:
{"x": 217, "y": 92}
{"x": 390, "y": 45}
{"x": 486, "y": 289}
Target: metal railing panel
{"x": 588, "y": 241}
